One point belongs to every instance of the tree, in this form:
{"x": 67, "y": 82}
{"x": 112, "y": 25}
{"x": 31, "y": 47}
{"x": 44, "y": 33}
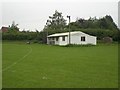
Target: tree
{"x": 56, "y": 21}
{"x": 13, "y": 27}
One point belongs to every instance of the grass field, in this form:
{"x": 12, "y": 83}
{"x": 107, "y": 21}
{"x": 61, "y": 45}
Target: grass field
{"x": 45, "y": 66}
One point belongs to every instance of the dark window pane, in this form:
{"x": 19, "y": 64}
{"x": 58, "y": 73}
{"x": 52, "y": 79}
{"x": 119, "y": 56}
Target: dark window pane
{"x": 82, "y": 38}
{"x": 63, "y": 38}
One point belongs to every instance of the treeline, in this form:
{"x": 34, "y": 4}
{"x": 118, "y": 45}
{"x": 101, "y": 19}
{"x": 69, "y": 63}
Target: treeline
{"x": 102, "y": 27}
{"x": 41, "y": 36}
{"x": 25, "y": 35}
{"x": 94, "y": 23}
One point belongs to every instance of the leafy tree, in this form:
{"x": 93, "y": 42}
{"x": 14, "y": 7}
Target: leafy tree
{"x": 56, "y": 21}
{"x": 101, "y": 23}
{"x": 13, "y": 27}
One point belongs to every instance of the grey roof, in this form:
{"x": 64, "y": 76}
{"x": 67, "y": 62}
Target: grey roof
{"x": 66, "y": 34}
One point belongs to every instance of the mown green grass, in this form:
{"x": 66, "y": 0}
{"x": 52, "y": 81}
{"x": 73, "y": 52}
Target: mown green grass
{"x": 60, "y": 67}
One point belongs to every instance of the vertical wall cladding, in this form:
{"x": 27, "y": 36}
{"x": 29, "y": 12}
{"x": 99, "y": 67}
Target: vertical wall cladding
{"x": 91, "y": 40}
{"x": 75, "y": 39}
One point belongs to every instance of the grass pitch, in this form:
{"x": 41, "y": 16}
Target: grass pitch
{"x": 45, "y": 66}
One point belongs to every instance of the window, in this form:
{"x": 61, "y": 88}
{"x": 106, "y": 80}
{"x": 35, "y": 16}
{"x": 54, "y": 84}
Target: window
{"x": 63, "y": 38}
{"x": 82, "y": 38}
{"x": 57, "y": 38}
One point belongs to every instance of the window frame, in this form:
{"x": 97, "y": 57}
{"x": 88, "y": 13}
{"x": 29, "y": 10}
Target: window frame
{"x": 83, "y": 39}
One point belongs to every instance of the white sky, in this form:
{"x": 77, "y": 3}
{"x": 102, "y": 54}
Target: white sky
{"x": 33, "y": 14}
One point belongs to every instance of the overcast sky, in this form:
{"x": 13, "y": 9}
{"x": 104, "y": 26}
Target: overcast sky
{"x": 33, "y": 14}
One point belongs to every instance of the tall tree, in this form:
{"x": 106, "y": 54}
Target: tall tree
{"x": 56, "y": 21}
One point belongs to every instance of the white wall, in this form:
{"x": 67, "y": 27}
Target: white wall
{"x": 91, "y": 40}
{"x": 61, "y": 42}
{"x": 57, "y": 42}
{"x": 76, "y": 39}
